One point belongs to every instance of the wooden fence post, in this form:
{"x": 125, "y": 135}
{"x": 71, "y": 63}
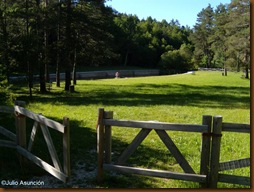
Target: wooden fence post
{"x": 20, "y": 121}
{"x": 215, "y": 152}
{"x": 206, "y": 148}
{"x": 100, "y": 143}
{"x": 108, "y": 138}
{"x": 225, "y": 72}
{"x": 20, "y": 126}
{"x": 66, "y": 147}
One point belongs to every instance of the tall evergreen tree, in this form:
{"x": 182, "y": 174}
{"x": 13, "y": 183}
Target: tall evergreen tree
{"x": 4, "y": 46}
{"x": 68, "y": 46}
{"x": 220, "y": 36}
{"x": 239, "y": 33}
{"x": 202, "y": 37}
{"x": 128, "y": 25}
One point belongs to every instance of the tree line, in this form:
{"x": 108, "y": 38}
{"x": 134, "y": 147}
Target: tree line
{"x": 221, "y": 36}
{"x": 41, "y": 36}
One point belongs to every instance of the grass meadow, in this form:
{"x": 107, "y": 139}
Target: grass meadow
{"x": 182, "y": 98}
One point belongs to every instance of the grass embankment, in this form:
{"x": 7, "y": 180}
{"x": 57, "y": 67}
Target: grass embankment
{"x": 178, "y": 98}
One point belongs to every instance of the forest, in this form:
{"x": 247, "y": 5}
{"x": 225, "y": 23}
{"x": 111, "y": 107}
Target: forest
{"x": 38, "y": 37}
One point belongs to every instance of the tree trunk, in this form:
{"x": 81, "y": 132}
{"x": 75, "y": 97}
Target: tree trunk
{"x": 42, "y": 78}
{"x": 57, "y": 71}
{"x": 74, "y": 77}
{"x": 126, "y": 58}
{"x": 30, "y": 77}
{"x": 246, "y": 72}
{"x": 67, "y": 80}
{"x": 39, "y": 58}
{"x": 6, "y": 71}
{"x": 29, "y": 67}
{"x": 68, "y": 48}
{"x": 246, "y": 65}
{"x": 46, "y": 40}
{"x": 58, "y": 59}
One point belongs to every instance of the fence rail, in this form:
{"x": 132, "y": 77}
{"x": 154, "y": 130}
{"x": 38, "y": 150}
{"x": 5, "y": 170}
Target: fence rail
{"x": 19, "y": 141}
{"x": 236, "y": 127}
{"x": 104, "y": 128}
{"x": 217, "y": 166}
{"x": 156, "y": 125}
{"x": 157, "y": 173}
{"x": 234, "y": 164}
{"x": 40, "y": 119}
{"x": 211, "y": 131}
{"x": 6, "y": 109}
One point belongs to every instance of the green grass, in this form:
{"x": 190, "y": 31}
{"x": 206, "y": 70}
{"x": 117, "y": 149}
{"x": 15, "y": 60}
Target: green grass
{"x": 177, "y": 98}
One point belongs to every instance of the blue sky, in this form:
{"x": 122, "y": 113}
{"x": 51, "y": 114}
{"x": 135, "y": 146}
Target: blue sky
{"x": 185, "y": 11}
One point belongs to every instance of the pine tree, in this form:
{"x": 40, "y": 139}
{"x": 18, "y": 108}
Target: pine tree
{"x": 220, "y": 36}
{"x": 239, "y": 33}
{"x": 202, "y": 36}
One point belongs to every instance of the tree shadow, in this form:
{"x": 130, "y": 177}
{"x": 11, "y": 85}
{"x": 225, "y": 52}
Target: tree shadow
{"x": 82, "y": 148}
{"x": 151, "y": 94}
{"x": 83, "y": 138}
{"x": 149, "y": 157}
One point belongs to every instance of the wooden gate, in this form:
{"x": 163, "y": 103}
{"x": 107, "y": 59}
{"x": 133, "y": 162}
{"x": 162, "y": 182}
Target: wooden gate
{"x": 18, "y": 140}
{"x": 106, "y": 121}
{"x": 210, "y": 166}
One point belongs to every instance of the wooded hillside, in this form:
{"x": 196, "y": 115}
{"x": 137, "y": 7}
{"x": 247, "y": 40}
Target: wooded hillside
{"x": 42, "y": 36}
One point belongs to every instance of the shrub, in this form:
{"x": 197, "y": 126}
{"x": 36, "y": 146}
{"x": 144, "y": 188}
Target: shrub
{"x": 177, "y": 61}
{"x": 5, "y": 94}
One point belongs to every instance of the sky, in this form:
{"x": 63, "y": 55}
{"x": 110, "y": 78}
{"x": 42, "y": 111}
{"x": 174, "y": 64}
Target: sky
{"x": 185, "y": 11}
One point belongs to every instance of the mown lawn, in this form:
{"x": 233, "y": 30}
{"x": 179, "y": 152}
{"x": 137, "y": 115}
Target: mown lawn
{"x": 180, "y": 98}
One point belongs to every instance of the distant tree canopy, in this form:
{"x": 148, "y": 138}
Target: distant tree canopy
{"x": 143, "y": 42}
{"x": 50, "y": 36}
{"x": 221, "y": 36}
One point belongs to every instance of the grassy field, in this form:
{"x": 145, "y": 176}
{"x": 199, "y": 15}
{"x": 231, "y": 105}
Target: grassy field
{"x": 180, "y": 98}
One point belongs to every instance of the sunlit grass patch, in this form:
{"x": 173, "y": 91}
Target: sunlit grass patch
{"x": 182, "y": 98}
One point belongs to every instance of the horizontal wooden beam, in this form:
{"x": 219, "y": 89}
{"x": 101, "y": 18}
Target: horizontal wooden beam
{"x": 44, "y": 165}
{"x": 41, "y": 119}
{"x": 157, "y": 173}
{"x": 236, "y": 127}
{"x": 7, "y": 133}
{"x": 234, "y": 164}
{"x": 6, "y": 109}
{"x": 5, "y": 143}
{"x": 157, "y": 125}
{"x": 234, "y": 179}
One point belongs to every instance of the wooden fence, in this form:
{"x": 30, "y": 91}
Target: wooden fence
{"x": 19, "y": 141}
{"x": 216, "y": 166}
{"x": 210, "y": 166}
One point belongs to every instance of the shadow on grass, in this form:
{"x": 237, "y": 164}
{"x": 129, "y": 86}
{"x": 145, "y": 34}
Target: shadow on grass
{"x": 147, "y": 156}
{"x": 151, "y": 94}
{"x": 83, "y": 139}
{"x": 82, "y": 144}
{"x": 83, "y": 149}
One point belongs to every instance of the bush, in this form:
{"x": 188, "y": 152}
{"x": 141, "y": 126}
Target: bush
{"x": 5, "y": 94}
{"x": 177, "y": 61}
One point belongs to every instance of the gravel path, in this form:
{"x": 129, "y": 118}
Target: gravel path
{"x": 83, "y": 175}
{"x": 80, "y": 178}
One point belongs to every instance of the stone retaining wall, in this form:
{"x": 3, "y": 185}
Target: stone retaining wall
{"x": 99, "y": 74}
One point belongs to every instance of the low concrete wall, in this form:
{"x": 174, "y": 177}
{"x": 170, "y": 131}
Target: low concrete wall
{"x": 99, "y": 74}
{"x": 210, "y": 69}
{"x": 112, "y": 74}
